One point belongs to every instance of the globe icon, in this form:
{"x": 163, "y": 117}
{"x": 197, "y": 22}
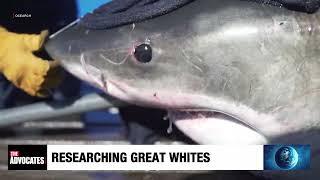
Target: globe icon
{"x": 286, "y": 157}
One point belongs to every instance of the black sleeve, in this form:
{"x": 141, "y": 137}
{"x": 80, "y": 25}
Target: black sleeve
{"x": 307, "y": 6}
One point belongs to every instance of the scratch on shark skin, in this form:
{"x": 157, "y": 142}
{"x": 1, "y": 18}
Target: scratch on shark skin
{"x": 309, "y": 92}
{"x": 83, "y": 63}
{"x": 130, "y": 33}
{"x": 187, "y": 59}
{"x": 114, "y": 63}
{"x": 199, "y": 59}
{"x": 84, "y": 66}
{"x": 133, "y": 26}
{"x": 250, "y": 88}
{"x": 298, "y": 69}
{"x": 225, "y": 84}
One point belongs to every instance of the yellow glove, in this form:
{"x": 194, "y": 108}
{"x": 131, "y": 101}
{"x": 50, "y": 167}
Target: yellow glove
{"x": 20, "y": 66}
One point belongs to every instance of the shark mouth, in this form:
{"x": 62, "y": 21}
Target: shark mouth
{"x": 210, "y": 127}
{"x": 204, "y": 119}
{"x": 202, "y": 123}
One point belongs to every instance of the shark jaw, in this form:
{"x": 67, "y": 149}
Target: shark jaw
{"x": 209, "y": 127}
{"x": 206, "y": 120}
{"x": 202, "y": 124}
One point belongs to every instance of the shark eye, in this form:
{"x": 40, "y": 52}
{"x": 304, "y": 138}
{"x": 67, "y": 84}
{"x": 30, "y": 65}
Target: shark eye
{"x": 143, "y": 53}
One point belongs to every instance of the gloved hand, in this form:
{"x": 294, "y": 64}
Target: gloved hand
{"x": 20, "y": 66}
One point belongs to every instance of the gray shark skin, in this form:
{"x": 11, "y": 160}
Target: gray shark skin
{"x": 227, "y": 71}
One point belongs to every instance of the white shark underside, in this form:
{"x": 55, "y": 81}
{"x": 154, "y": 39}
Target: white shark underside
{"x": 227, "y": 71}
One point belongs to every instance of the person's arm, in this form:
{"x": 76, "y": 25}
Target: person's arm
{"x": 20, "y": 66}
{"x": 309, "y": 6}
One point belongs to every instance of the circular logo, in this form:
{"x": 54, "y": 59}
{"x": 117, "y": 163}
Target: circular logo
{"x": 286, "y": 157}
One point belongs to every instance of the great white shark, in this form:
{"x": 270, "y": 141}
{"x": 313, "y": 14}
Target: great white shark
{"x": 228, "y": 72}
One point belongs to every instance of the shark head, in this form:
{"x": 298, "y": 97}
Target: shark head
{"x": 231, "y": 72}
